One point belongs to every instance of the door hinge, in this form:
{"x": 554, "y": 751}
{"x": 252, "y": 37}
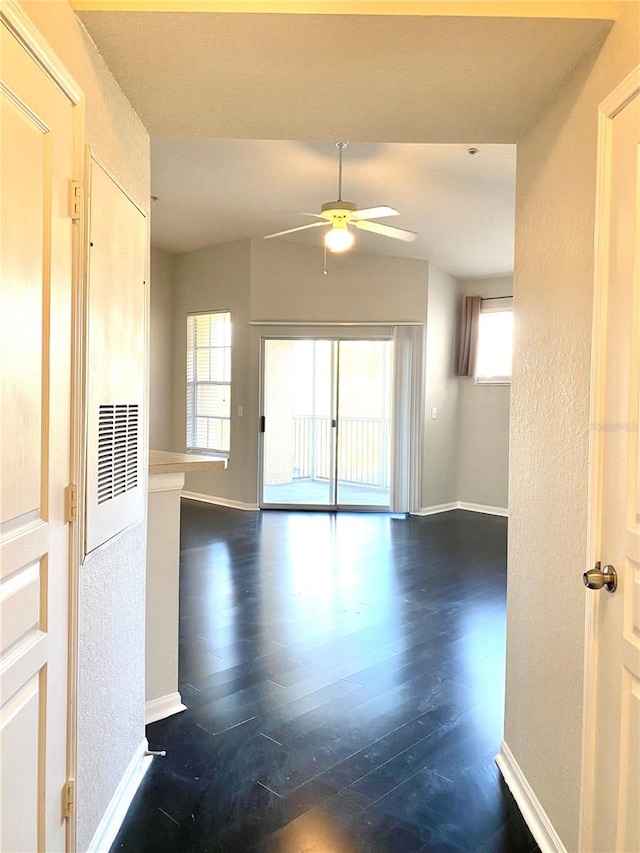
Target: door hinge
{"x": 75, "y": 199}
{"x": 71, "y": 502}
{"x": 69, "y": 798}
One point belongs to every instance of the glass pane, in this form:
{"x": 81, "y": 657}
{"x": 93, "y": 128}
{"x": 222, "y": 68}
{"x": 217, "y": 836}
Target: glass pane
{"x": 218, "y": 434}
{"x": 220, "y": 360}
{"x": 495, "y": 337}
{"x": 202, "y": 365}
{"x": 364, "y": 425}
{"x": 213, "y": 400}
{"x": 298, "y": 439}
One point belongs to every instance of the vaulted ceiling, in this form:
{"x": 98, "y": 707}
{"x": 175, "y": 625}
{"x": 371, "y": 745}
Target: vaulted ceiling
{"x": 208, "y": 85}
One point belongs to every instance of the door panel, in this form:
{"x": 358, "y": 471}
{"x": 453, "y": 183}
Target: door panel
{"x": 364, "y": 418}
{"x": 299, "y": 411}
{"x": 37, "y": 165}
{"x": 616, "y": 785}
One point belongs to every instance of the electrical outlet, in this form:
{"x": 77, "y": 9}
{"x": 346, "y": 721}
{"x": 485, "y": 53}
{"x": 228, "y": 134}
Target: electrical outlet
{"x": 240, "y": 411}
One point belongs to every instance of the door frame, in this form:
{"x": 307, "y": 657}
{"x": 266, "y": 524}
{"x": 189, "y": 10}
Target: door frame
{"x": 607, "y": 110}
{"x": 27, "y": 34}
{"x": 329, "y": 336}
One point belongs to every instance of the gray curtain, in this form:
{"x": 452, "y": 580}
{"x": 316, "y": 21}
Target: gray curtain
{"x": 469, "y": 336}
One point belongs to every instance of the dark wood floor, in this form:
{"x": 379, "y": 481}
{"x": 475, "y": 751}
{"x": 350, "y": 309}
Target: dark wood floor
{"x": 344, "y": 679}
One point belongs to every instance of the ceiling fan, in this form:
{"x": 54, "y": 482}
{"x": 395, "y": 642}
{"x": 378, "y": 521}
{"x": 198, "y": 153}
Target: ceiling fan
{"x": 339, "y": 215}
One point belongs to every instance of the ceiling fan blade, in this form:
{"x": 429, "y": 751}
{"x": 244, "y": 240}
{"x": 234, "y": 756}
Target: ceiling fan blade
{"x": 375, "y": 212}
{"x": 385, "y": 230}
{"x": 315, "y": 215}
{"x": 299, "y": 228}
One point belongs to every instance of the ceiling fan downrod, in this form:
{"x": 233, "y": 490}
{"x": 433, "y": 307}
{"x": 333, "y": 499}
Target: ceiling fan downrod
{"x": 340, "y": 146}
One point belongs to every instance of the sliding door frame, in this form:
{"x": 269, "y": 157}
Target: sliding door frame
{"x": 335, "y": 337}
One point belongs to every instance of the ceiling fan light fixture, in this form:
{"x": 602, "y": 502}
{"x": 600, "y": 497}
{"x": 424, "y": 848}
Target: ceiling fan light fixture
{"x": 339, "y": 238}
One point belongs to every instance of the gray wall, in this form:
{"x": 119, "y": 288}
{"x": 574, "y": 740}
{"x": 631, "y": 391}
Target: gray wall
{"x": 440, "y": 451}
{"x": 112, "y": 580}
{"x": 553, "y": 286}
{"x": 483, "y": 424}
{"x": 218, "y": 279}
{"x": 161, "y": 350}
{"x": 288, "y": 284}
{"x": 252, "y": 279}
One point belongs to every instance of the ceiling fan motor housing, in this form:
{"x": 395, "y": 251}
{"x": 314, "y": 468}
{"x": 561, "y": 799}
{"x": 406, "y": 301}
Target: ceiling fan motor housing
{"x": 338, "y": 210}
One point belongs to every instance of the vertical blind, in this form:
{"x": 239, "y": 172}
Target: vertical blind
{"x": 408, "y": 354}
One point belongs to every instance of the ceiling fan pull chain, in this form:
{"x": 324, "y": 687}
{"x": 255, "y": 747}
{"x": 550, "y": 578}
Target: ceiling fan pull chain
{"x": 324, "y": 269}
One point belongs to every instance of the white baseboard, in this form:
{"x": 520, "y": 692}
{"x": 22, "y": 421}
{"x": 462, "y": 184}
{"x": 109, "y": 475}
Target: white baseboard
{"x": 436, "y": 508}
{"x": 164, "y": 706}
{"x": 469, "y": 507}
{"x": 534, "y": 815}
{"x": 487, "y": 510}
{"x": 210, "y": 499}
{"x": 117, "y": 809}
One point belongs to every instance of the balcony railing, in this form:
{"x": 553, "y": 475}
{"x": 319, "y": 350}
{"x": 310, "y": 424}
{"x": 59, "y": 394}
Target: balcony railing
{"x": 363, "y": 450}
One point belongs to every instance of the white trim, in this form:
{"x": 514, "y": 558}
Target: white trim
{"x": 485, "y": 508}
{"x": 436, "y": 508}
{"x": 468, "y": 507}
{"x": 534, "y": 815}
{"x": 163, "y": 706}
{"x": 22, "y": 27}
{"x": 389, "y": 324}
{"x": 622, "y": 94}
{"x": 211, "y": 499}
{"x": 117, "y": 809}
{"x": 608, "y": 109}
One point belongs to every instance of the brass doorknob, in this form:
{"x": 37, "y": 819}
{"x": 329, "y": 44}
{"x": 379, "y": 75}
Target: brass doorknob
{"x": 597, "y": 578}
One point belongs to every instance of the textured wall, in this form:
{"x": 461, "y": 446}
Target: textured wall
{"x": 111, "y": 689}
{"x": 483, "y": 424}
{"x": 161, "y": 350}
{"x": 556, "y": 172}
{"x": 112, "y": 581}
{"x": 439, "y": 460}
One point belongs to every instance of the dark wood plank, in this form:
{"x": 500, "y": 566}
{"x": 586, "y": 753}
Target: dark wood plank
{"x": 344, "y": 679}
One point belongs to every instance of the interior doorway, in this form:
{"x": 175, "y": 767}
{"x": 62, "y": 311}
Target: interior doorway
{"x": 326, "y": 423}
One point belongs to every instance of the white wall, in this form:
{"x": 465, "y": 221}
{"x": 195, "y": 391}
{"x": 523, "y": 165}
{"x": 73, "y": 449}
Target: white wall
{"x": 483, "y": 424}
{"x": 553, "y": 281}
{"x": 161, "y": 350}
{"x": 439, "y": 463}
{"x": 112, "y": 580}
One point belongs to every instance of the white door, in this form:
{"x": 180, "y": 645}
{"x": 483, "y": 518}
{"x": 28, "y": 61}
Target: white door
{"x": 35, "y": 357}
{"x": 611, "y": 814}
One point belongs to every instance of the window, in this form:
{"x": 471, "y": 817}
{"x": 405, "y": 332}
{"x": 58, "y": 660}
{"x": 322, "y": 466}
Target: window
{"x": 495, "y": 339}
{"x": 209, "y": 382}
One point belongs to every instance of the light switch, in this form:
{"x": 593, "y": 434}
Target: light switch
{"x": 434, "y": 412}
{"x": 240, "y": 411}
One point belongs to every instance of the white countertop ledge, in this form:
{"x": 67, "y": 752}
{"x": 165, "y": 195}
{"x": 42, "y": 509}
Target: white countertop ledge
{"x": 166, "y": 462}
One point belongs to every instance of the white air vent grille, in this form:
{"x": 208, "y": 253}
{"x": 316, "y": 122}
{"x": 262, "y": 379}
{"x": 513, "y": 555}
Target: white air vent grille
{"x": 117, "y": 450}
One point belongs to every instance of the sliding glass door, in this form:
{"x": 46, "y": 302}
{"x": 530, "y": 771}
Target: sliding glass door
{"x": 326, "y": 423}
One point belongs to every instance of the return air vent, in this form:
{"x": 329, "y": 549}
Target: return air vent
{"x": 117, "y": 450}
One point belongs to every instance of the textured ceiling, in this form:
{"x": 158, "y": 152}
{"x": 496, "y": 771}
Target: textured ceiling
{"x": 370, "y": 78}
{"x": 222, "y": 95}
{"x": 216, "y": 191}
